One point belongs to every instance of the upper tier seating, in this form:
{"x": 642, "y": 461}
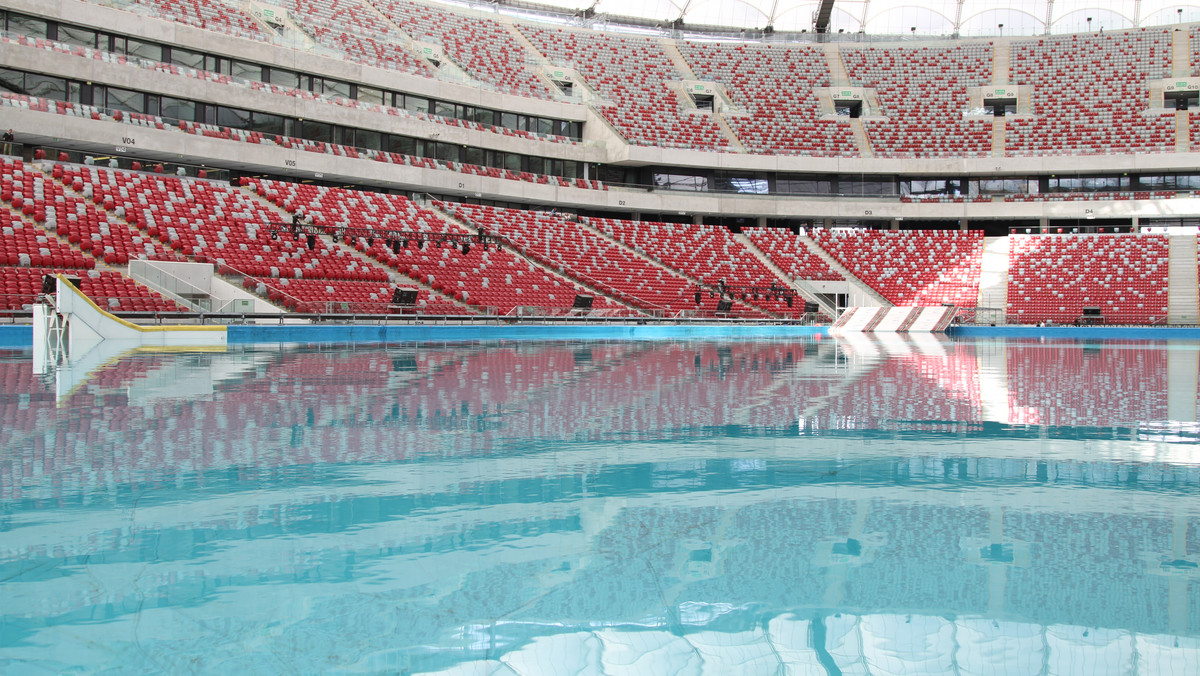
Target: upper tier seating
{"x": 210, "y": 222}
{"x": 213, "y": 15}
{"x": 1052, "y": 278}
{"x": 1104, "y": 112}
{"x": 255, "y": 85}
{"x": 358, "y": 32}
{"x": 911, "y": 267}
{"x": 791, "y": 254}
{"x": 707, "y": 253}
{"x": 483, "y": 48}
{"x": 632, "y": 74}
{"x": 757, "y": 78}
{"x": 590, "y": 259}
{"x": 923, "y": 92}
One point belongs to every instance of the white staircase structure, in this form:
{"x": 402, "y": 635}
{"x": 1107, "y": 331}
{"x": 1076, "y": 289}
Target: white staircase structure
{"x": 67, "y": 325}
{"x": 894, "y": 320}
{"x": 992, "y": 307}
{"x": 1183, "y": 305}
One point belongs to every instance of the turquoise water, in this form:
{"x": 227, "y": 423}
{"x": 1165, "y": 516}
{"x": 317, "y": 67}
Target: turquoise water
{"x": 904, "y": 506}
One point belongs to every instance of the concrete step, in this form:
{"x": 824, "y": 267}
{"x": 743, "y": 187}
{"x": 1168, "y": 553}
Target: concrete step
{"x": 1181, "y": 54}
{"x": 861, "y": 139}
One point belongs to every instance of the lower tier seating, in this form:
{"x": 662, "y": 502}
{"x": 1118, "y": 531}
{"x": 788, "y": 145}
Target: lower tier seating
{"x": 109, "y": 289}
{"x": 1052, "y": 278}
{"x": 911, "y": 267}
{"x": 791, "y": 254}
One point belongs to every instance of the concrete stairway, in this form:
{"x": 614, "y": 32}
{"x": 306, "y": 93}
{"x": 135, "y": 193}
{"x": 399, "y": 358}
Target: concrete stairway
{"x": 1183, "y": 306}
{"x": 1000, "y": 52}
{"x": 993, "y": 282}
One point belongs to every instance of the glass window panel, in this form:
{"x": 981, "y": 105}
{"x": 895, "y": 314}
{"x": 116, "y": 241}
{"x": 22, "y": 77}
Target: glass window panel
{"x": 508, "y": 120}
{"x": 804, "y": 186}
{"x": 417, "y": 104}
{"x": 12, "y": 80}
{"x": 55, "y": 88}
{"x": 545, "y": 126}
{"x": 405, "y": 145}
{"x": 26, "y": 25}
{"x": 444, "y": 109}
{"x": 178, "y": 109}
{"x": 367, "y": 138}
{"x": 475, "y": 156}
{"x": 143, "y": 50}
{"x": 511, "y": 161}
{"x": 74, "y": 35}
{"x": 247, "y": 71}
{"x": 267, "y": 123}
{"x": 188, "y": 58}
{"x": 317, "y": 131}
{"x": 681, "y": 182}
{"x": 232, "y": 117}
{"x": 285, "y": 78}
{"x": 370, "y": 95}
{"x": 336, "y": 88}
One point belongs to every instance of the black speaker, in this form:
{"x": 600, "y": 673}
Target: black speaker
{"x": 582, "y": 302}
{"x": 49, "y": 286}
{"x": 404, "y": 297}
{"x": 724, "y": 306}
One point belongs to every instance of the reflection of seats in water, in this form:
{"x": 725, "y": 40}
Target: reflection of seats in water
{"x": 1102, "y": 386}
{"x": 913, "y": 391}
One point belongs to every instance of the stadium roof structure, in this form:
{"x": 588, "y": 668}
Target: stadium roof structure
{"x": 921, "y": 18}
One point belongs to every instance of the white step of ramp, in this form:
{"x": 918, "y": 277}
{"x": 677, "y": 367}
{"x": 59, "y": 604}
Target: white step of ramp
{"x": 894, "y": 319}
{"x": 856, "y": 319}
